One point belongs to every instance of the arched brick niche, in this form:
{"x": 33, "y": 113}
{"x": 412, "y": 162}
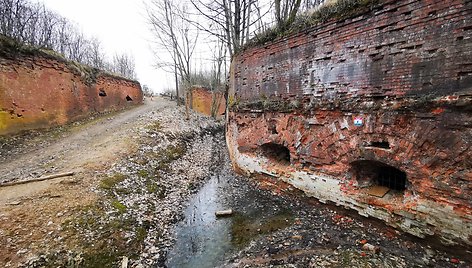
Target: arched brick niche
{"x": 368, "y": 173}
{"x": 387, "y": 92}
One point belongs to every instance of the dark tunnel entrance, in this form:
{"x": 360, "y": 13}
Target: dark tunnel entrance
{"x": 370, "y": 173}
{"x": 276, "y": 152}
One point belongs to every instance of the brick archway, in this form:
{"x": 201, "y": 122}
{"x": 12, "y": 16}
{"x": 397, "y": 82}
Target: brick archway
{"x": 370, "y": 172}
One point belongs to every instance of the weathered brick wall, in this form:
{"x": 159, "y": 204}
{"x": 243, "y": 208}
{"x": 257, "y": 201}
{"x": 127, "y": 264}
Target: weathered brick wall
{"x": 39, "y": 91}
{"x": 402, "y": 47}
{"x": 405, "y": 69}
{"x": 203, "y": 99}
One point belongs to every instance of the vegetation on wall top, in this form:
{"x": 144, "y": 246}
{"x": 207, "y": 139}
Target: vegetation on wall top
{"x": 40, "y": 30}
{"x": 338, "y": 10}
{"x": 10, "y": 48}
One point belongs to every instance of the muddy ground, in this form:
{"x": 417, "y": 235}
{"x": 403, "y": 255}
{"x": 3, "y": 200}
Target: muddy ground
{"x": 136, "y": 170}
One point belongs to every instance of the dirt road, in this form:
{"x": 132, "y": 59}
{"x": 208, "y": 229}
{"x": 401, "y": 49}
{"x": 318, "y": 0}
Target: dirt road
{"x": 32, "y": 215}
{"x": 82, "y": 146}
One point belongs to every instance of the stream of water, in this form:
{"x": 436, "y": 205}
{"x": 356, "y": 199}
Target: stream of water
{"x": 202, "y": 240}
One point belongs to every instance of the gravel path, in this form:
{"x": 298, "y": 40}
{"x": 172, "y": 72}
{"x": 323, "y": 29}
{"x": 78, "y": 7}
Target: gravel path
{"x": 133, "y": 169}
{"x": 82, "y": 146}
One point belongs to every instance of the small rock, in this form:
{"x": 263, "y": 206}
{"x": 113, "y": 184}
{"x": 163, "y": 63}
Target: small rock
{"x": 297, "y": 237}
{"x": 430, "y": 252}
{"x": 21, "y": 251}
{"x": 371, "y": 248}
{"x": 124, "y": 262}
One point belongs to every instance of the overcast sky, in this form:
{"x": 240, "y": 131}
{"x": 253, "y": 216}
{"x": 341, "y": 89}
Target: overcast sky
{"x": 121, "y": 26}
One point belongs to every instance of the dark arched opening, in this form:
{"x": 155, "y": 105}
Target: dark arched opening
{"x": 368, "y": 173}
{"x": 276, "y": 152}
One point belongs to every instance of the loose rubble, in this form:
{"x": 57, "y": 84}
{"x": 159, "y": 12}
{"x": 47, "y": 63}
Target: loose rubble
{"x": 139, "y": 200}
{"x": 142, "y": 195}
{"x": 323, "y": 235}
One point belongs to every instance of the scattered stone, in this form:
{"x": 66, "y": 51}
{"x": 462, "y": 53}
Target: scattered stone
{"x": 14, "y": 203}
{"x": 371, "y": 248}
{"x": 224, "y": 213}
{"x": 124, "y": 262}
{"x": 22, "y": 251}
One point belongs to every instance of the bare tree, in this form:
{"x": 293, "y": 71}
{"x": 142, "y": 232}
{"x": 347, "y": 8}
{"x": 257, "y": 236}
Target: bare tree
{"x": 231, "y": 21}
{"x": 286, "y": 11}
{"x": 174, "y": 36}
{"x": 95, "y": 56}
{"x": 147, "y": 91}
{"x": 48, "y": 22}
{"x": 310, "y": 4}
{"x": 218, "y": 73}
{"x": 124, "y": 65}
{"x": 14, "y": 18}
{"x": 76, "y": 51}
{"x": 63, "y": 36}
{"x": 35, "y": 25}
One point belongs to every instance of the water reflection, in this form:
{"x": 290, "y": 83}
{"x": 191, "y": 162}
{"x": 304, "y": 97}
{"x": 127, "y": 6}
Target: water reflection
{"x": 202, "y": 240}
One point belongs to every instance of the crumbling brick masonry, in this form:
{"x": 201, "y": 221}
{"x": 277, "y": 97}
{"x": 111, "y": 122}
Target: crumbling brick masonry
{"x": 372, "y": 113}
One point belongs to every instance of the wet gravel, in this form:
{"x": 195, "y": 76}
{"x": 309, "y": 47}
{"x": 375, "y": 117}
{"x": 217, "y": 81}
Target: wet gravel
{"x": 175, "y": 157}
{"x": 274, "y": 225}
{"x": 323, "y": 235}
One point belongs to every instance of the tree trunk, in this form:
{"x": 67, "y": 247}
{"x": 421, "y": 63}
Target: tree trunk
{"x": 176, "y": 84}
{"x": 187, "y": 104}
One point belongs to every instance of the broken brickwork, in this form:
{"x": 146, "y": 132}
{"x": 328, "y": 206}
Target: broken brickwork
{"x": 39, "y": 91}
{"x": 378, "y": 102}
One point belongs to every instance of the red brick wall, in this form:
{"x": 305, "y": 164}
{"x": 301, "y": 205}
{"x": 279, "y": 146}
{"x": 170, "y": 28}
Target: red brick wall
{"x": 202, "y": 99}
{"x": 402, "y": 47}
{"x": 39, "y": 92}
{"x": 405, "y": 68}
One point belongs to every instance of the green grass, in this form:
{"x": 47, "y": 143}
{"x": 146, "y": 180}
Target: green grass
{"x": 106, "y": 242}
{"x": 154, "y": 188}
{"x": 118, "y": 206}
{"x": 168, "y": 155}
{"x": 154, "y": 127}
{"x": 110, "y": 182}
{"x": 245, "y": 227}
{"x": 143, "y": 173}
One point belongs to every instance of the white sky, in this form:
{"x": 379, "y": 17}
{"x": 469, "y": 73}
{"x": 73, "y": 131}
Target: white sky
{"x": 121, "y": 27}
